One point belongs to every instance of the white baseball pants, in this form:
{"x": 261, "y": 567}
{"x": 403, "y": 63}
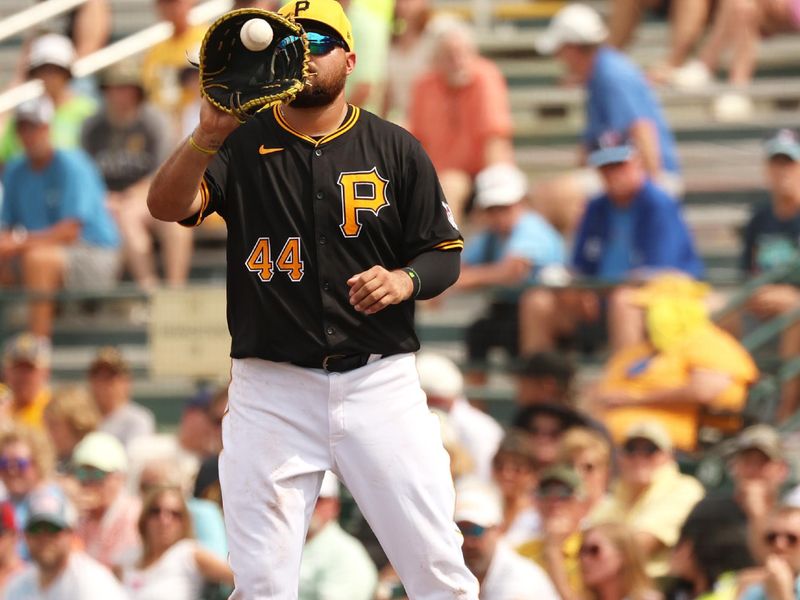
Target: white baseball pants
{"x": 371, "y": 426}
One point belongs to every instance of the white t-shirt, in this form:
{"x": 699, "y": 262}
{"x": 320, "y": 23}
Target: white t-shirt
{"x": 512, "y": 577}
{"x": 83, "y": 579}
{"x": 479, "y": 433}
{"x": 175, "y": 576}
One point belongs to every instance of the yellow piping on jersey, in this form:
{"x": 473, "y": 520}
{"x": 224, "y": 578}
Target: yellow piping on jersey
{"x": 345, "y": 127}
{"x": 203, "y": 201}
{"x": 449, "y": 245}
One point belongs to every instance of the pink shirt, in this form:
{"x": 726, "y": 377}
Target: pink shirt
{"x": 114, "y": 538}
{"x": 454, "y": 123}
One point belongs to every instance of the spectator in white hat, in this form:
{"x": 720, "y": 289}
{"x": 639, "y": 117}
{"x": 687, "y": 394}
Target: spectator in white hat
{"x": 478, "y": 433}
{"x": 108, "y": 524}
{"x": 502, "y": 573}
{"x": 618, "y": 97}
{"x": 335, "y": 565}
{"x": 50, "y": 60}
{"x": 514, "y": 247}
{"x": 55, "y": 229}
{"x": 59, "y": 570}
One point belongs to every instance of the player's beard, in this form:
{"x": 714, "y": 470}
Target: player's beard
{"x": 322, "y": 90}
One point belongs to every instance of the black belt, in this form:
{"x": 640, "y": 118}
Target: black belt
{"x": 338, "y": 363}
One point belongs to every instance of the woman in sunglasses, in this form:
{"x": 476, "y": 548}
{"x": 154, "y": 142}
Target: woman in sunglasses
{"x": 611, "y": 565}
{"x": 26, "y": 464}
{"x": 172, "y": 564}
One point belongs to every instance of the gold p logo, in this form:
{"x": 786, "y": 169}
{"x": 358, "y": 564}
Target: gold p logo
{"x": 361, "y": 190}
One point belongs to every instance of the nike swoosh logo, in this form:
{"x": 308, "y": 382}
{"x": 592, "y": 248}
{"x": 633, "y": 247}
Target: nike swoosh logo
{"x": 262, "y": 150}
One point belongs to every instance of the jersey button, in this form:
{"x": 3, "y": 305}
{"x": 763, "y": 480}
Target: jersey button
{"x": 323, "y": 240}
{"x": 330, "y": 331}
{"x": 320, "y": 195}
{"x": 317, "y": 152}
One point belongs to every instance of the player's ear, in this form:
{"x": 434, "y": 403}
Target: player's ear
{"x": 351, "y": 61}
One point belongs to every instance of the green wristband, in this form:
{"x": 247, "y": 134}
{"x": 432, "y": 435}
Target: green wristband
{"x": 414, "y": 280}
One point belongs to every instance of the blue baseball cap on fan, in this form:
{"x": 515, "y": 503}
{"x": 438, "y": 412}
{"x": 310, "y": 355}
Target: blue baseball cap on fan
{"x": 611, "y": 148}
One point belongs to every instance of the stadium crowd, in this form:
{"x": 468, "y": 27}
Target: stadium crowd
{"x": 592, "y": 487}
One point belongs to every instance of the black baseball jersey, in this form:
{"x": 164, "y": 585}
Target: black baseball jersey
{"x": 304, "y": 215}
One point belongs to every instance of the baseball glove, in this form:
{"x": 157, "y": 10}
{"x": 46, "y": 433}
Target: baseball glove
{"x": 241, "y": 81}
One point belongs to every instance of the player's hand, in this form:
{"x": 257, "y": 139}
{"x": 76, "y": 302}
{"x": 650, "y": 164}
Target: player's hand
{"x": 376, "y": 288}
{"x": 214, "y": 126}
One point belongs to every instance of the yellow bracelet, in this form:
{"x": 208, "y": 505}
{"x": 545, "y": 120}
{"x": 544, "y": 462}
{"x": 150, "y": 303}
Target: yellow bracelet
{"x": 199, "y": 148}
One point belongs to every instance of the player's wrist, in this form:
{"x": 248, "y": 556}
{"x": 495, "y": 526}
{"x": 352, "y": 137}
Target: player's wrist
{"x": 205, "y": 143}
{"x": 413, "y": 279}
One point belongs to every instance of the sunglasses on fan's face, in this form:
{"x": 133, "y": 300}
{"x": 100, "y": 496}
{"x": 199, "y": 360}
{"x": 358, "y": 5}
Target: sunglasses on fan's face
{"x": 471, "y": 529}
{"x": 771, "y": 538}
{"x": 319, "y": 44}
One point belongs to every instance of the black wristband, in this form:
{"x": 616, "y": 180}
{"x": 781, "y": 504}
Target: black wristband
{"x": 414, "y": 280}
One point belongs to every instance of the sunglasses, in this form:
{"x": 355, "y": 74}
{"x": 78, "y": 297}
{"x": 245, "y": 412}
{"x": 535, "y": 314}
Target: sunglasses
{"x": 592, "y": 550}
{"x": 89, "y": 474}
{"x": 772, "y": 537}
{"x": 43, "y": 527}
{"x": 639, "y": 448}
{"x": 318, "y": 43}
{"x": 15, "y": 464}
{"x": 156, "y": 511}
{"x": 554, "y": 491}
{"x": 471, "y": 529}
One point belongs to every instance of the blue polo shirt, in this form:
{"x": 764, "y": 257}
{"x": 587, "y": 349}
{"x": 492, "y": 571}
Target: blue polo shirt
{"x": 618, "y": 95}
{"x": 69, "y": 187}
{"x": 532, "y": 238}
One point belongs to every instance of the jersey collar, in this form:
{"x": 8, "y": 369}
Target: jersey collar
{"x": 349, "y": 120}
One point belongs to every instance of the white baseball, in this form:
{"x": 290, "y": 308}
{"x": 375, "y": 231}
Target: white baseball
{"x": 256, "y": 34}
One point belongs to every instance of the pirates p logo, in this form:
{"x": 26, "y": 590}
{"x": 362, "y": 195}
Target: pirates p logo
{"x": 300, "y": 7}
{"x": 361, "y": 190}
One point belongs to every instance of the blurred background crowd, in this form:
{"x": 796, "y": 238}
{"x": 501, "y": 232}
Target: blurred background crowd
{"x": 615, "y": 372}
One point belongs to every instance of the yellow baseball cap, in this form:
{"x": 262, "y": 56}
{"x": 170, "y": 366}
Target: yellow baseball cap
{"x": 327, "y": 12}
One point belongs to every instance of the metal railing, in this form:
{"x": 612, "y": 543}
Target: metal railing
{"x": 124, "y": 48}
{"x": 38, "y": 13}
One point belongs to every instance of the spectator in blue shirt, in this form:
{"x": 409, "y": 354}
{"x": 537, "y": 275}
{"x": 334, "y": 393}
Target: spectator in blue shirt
{"x": 618, "y": 97}
{"x": 55, "y": 229}
{"x": 512, "y": 250}
{"x": 771, "y": 241}
{"x": 630, "y": 232}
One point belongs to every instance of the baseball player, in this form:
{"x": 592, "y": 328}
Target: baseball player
{"x": 336, "y": 223}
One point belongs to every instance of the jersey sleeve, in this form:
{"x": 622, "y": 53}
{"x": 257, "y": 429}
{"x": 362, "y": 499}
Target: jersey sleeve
{"x": 428, "y": 222}
{"x": 212, "y": 188}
